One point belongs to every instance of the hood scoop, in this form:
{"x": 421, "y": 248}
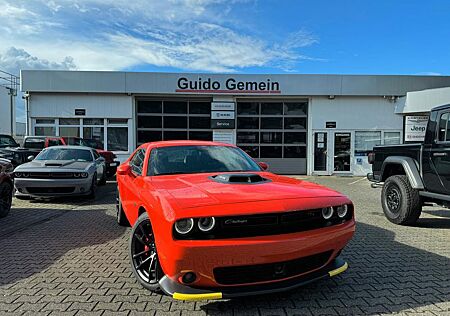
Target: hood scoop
{"x": 239, "y": 178}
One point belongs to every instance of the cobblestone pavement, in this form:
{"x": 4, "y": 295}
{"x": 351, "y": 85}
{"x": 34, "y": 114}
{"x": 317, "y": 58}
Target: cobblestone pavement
{"x": 69, "y": 257}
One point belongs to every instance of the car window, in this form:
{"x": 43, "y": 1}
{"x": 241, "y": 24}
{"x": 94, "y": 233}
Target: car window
{"x": 7, "y": 140}
{"x": 65, "y": 154}
{"x": 96, "y": 155}
{"x": 54, "y": 142}
{"x": 199, "y": 159}
{"x": 137, "y": 162}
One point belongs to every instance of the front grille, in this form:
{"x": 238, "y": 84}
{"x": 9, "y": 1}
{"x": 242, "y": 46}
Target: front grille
{"x": 50, "y": 175}
{"x": 267, "y": 224}
{"x": 270, "y": 271}
{"x": 43, "y": 190}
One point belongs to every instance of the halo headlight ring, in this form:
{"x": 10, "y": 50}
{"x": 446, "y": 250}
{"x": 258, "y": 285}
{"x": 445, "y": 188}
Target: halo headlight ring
{"x": 184, "y": 226}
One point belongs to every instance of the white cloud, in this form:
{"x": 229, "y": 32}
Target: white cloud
{"x": 120, "y": 34}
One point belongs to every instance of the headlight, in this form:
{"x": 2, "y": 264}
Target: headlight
{"x": 76, "y": 175}
{"x": 84, "y": 174}
{"x": 184, "y": 226}
{"x": 327, "y": 212}
{"x": 206, "y": 224}
{"x": 25, "y": 174}
{"x": 342, "y": 211}
{"x": 18, "y": 174}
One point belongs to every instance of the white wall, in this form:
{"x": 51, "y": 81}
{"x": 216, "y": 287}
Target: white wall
{"x": 5, "y": 112}
{"x": 64, "y": 105}
{"x": 351, "y": 114}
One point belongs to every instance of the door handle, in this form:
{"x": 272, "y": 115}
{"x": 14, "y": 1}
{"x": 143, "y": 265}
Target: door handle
{"x": 439, "y": 154}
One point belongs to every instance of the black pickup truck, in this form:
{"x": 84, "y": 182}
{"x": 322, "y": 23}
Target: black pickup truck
{"x": 415, "y": 174}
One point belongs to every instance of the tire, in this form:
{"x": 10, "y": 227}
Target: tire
{"x": 6, "y": 193}
{"x": 120, "y": 214}
{"x": 401, "y": 203}
{"x": 143, "y": 254}
{"x": 93, "y": 186}
{"x": 103, "y": 179}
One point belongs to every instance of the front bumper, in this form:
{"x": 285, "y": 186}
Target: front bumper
{"x": 183, "y": 292}
{"x": 52, "y": 187}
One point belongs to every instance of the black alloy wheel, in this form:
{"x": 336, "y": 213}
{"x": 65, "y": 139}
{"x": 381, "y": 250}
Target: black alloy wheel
{"x": 143, "y": 254}
{"x": 5, "y": 198}
{"x": 401, "y": 202}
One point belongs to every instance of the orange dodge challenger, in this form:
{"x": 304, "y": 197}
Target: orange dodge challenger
{"x": 208, "y": 222}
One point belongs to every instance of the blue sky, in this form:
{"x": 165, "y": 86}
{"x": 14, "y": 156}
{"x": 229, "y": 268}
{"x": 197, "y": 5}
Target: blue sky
{"x": 226, "y": 36}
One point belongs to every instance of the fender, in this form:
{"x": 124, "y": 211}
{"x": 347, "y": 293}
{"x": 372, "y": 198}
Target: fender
{"x": 411, "y": 169}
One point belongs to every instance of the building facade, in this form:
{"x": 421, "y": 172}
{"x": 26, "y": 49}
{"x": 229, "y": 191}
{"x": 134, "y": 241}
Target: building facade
{"x": 298, "y": 124}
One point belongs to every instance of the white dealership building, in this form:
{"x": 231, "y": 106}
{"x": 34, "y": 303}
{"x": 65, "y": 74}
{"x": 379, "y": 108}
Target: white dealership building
{"x": 298, "y": 124}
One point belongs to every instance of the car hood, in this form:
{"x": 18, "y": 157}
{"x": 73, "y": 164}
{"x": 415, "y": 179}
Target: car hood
{"x": 54, "y": 165}
{"x": 190, "y": 191}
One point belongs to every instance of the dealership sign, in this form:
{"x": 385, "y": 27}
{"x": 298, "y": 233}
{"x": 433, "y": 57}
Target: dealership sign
{"x": 229, "y": 85}
{"x": 415, "y": 127}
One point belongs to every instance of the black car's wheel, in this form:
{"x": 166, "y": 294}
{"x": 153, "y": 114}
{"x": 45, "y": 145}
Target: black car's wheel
{"x": 103, "y": 179}
{"x": 93, "y": 187}
{"x": 143, "y": 254}
{"x": 6, "y": 192}
{"x": 401, "y": 203}
{"x": 120, "y": 214}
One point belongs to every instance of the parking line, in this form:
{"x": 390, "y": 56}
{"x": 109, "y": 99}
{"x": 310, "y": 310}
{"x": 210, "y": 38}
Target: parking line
{"x": 357, "y": 181}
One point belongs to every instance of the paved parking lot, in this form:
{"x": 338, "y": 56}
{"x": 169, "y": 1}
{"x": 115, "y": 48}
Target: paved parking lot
{"x": 69, "y": 257}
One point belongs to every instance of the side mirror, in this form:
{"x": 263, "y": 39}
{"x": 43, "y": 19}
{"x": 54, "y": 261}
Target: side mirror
{"x": 123, "y": 169}
{"x": 30, "y": 157}
{"x": 101, "y": 159}
{"x": 263, "y": 165}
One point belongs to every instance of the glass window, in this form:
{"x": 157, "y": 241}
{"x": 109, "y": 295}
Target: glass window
{"x": 176, "y": 107}
{"x": 247, "y": 137}
{"x": 271, "y": 123}
{"x": 69, "y": 131}
{"x": 118, "y": 121}
{"x": 199, "y": 159}
{"x": 54, "y": 142}
{"x": 137, "y": 162}
{"x": 149, "y": 107}
{"x": 252, "y": 151}
{"x": 117, "y": 138}
{"x": 294, "y": 152}
{"x": 65, "y": 154}
{"x": 248, "y": 108}
{"x": 45, "y": 121}
{"x": 93, "y": 121}
{"x": 95, "y": 133}
{"x": 199, "y": 122}
{"x": 150, "y": 121}
{"x": 295, "y": 138}
{"x": 272, "y": 137}
{"x": 175, "y": 122}
{"x": 271, "y": 151}
{"x": 271, "y": 108}
{"x": 443, "y": 126}
{"x": 248, "y": 122}
{"x": 65, "y": 121}
{"x": 391, "y": 138}
{"x": 199, "y": 107}
{"x": 295, "y": 108}
{"x": 295, "y": 123}
{"x": 365, "y": 141}
{"x": 203, "y": 135}
{"x": 34, "y": 142}
{"x": 44, "y": 131}
{"x": 149, "y": 136}
{"x": 175, "y": 135}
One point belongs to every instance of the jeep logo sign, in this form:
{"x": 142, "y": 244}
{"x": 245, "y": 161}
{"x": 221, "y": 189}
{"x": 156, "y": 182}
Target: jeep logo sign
{"x": 415, "y": 128}
{"x": 230, "y": 85}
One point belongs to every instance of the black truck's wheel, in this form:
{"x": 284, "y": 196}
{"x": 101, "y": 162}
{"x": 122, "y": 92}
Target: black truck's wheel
{"x": 5, "y": 198}
{"x": 143, "y": 254}
{"x": 120, "y": 214}
{"x": 401, "y": 203}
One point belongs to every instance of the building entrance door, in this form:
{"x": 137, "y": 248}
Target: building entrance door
{"x": 342, "y": 152}
{"x": 321, "y": 161}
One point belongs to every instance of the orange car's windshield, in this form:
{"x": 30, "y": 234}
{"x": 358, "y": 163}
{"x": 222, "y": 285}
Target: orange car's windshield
{"x": 199, "y": 159}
